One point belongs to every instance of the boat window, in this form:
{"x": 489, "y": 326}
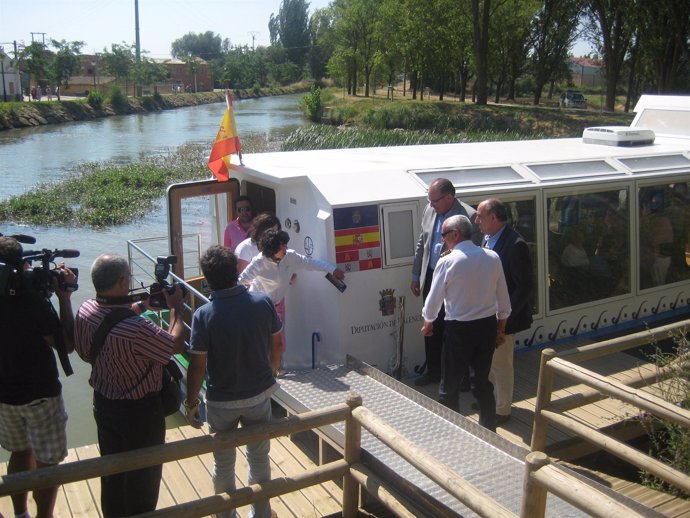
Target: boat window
{"x": 663, "y": 234}
{"x": 588, "y": 246}
{"x": 400, "y": 229}
{"x": 651, "y": 163}
{"x": 563, "y": 170}
{"x": 463, "y": 178}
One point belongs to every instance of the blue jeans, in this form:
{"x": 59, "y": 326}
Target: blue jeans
{"x": 223, "y": 420}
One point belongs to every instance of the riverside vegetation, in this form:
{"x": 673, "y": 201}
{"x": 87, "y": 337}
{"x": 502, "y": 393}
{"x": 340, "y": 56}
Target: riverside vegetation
{"x": 108, "y": 194}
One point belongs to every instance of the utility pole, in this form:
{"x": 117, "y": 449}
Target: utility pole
{"x": 138, "y": 49}
{"x": 253, "y": 34}
{"x": 43, "y": 35}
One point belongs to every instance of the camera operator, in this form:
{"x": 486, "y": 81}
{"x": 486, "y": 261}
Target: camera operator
{"x": 32, "y": 413}
{"x": 127, "y": 378}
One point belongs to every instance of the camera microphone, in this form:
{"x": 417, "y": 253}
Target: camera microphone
{"x": 67, "y": 253}
{"x": 23, "y": 238}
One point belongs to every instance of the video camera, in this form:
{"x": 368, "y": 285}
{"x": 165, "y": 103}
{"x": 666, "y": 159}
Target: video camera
{"x": 15, "y": 280}
{"x": 161, "y": 272}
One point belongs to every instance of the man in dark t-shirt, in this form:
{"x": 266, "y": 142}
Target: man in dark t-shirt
{"x": 32, "y": 412}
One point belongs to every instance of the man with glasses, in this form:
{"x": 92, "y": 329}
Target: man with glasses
{"x": 238, "y": 229}
{"x": 469, "y": 282}
{"x": 442, "y": 205}
{"x": 126, "y": 376}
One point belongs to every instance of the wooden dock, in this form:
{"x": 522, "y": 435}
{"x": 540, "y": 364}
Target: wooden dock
{"x": 189, "y": 479}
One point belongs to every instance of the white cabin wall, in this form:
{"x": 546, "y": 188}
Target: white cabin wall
{"x": 313, "y": 305}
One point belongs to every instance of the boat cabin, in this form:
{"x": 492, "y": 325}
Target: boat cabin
{"x": 607, "y": 224}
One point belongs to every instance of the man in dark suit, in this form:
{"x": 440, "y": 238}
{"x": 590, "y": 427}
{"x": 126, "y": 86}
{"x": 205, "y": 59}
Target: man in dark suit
{"x": 492, "y": 218}
{"x": 442, "y": 205}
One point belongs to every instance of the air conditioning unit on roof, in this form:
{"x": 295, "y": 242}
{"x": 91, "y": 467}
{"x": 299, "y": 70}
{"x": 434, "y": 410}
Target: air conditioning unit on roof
{"x": 623, "y": 136}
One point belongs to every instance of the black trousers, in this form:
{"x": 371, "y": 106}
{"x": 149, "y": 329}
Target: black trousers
{"x": 470, "y": 345}
{"x": 125, "y": 425}
{"x": 433, "y": 345}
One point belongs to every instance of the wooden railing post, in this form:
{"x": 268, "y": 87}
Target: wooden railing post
{"x": 544, "y": 389}
{"x": 533, "y": 494}
{"x": 353, "y": 441}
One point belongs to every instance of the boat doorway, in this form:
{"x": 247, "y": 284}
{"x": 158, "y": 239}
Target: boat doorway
{"x": 186, "y": 202}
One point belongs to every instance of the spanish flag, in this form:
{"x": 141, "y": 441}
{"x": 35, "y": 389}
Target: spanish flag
{"x": 227, "y": 142}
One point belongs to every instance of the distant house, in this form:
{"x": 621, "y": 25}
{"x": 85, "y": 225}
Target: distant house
{"x": 92, "y": 77}
{"x": 586, "y": 72}
{"x": 11, "y": 89}
{"x": 181, "y": 79}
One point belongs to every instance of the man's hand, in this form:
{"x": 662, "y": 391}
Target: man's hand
{"x": 500, "y": 338}
{"x": 414, "y": 286}
{"x": 192, "y": 413}
{"x": 427, "y": 328}
{"x": 174, "y": 300}
{"x": 70, "y": 279}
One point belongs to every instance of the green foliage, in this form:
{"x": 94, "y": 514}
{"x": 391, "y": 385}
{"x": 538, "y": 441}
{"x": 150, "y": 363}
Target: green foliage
{"x": 66, "y": 61}
{"x": 207, "y": 45}
{"x": 311, "y": 104}
{"x": 455, "y": 117}
{"x": 117, "y": 99}
{"x": 670, "y": 442}
{"x": 330, "y": 137}
{"x": 106, "y": 194}
{"x": 95, "y": 99}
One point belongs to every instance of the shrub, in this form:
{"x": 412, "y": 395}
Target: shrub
{"x": 95, "y": 99}
{"x": 117, "y": 99}
{"x": 670, "y": 442}
{"x": 311, "y": 104}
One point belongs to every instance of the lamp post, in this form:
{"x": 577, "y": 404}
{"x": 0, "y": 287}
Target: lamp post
{"x": 93, "y": 68}
{"x": 2, "y": 68}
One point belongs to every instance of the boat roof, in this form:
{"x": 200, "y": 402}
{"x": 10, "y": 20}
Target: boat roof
{"x": 381, "y": 174}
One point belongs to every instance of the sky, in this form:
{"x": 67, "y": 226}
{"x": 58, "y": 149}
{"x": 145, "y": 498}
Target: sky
{"x": 99, "y": 23}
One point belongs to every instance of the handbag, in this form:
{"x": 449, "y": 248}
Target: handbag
{"x": 171, "y": 394}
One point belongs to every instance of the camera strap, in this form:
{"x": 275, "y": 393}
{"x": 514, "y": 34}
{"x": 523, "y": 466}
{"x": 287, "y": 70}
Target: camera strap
{"x": 127, "y": 299}
{"x": 110, "y": 321}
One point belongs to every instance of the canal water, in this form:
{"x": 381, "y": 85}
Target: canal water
{"x": 47, "y": 153}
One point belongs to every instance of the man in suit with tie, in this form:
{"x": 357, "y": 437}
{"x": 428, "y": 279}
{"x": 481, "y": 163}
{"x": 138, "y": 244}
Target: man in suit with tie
{"x": 492, "y": 218}
{"x": 442, "y": 205}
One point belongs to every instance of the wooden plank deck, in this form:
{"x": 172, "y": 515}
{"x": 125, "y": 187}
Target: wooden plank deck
{"x": 605, "y": 414}
{"x": 189, "y": 479}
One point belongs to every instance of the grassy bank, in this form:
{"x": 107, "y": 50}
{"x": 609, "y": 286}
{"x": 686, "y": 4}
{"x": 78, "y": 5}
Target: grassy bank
{"x": 448, "y": 117}
{"x": 26, "y": 114}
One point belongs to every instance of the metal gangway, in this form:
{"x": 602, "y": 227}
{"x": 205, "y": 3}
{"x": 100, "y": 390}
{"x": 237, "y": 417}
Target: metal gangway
{"x": 489, "y": 462}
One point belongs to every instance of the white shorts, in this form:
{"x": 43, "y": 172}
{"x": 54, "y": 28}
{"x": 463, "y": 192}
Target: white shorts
{"x": 39, "y": 426}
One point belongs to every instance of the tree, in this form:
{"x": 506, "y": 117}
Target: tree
{"x": 290, "y": 29}
{"x": 321, "y": 45}
{"x": 612, "y": 30}
{"x": 119, "y": 62}
{"x": 34, "y": 59}
{"x": 207, "y": 46}
{"x": 664, "y": 44}
{"x": 151, "y": 73}
{"x": 553, "y": 32}
{"x": 65, "y": 62}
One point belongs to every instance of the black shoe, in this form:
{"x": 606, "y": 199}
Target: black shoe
{"x": 502, "y": 419}
{"x": 465, "y": 385}
{"x": 425, "y": 380}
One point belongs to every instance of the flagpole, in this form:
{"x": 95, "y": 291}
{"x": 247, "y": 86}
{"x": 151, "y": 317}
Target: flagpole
{"x": 228, "y": 103}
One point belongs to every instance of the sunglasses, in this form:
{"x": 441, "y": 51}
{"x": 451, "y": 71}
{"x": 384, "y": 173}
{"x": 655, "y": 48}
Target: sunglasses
{"x": 244, "y": 209}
